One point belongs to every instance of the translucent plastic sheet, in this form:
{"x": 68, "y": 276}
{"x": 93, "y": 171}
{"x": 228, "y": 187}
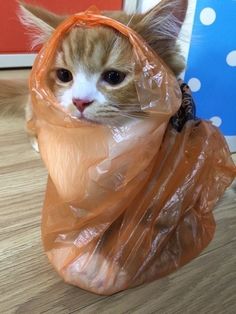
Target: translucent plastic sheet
{"x": 126, "y": 205}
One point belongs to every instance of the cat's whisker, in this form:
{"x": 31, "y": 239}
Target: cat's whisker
{"x": 136, "y": 115}
{"x": 130, "y": 109}
{"x": 130, "y": 20}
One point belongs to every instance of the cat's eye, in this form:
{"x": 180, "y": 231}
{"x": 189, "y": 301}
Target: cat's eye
{"x": 64, "y": 75}
{"x": 113, "y": 77}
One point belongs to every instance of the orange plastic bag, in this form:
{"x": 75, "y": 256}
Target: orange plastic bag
{"x": 125, "y": 205}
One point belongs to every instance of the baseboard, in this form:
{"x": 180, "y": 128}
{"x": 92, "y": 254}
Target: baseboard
{"x": 231, "y": 140}
{"x": 16, "y": 60}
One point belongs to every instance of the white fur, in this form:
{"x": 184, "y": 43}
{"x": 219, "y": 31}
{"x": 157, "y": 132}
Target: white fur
{"x": 34, "y": 144}
{"x": 66, "y": 98}
{"x": 95, "y": 272}
{"x": 84, "y": 87}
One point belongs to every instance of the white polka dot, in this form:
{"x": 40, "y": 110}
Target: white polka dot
{"x": 231, "y": 58}
{"x": 217, "y": 121}
{"x": 194, "y": 84}
{"x": 208, "y": 16}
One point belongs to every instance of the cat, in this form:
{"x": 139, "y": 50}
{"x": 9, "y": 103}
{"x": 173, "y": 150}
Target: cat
{"x": 93, "y": 79}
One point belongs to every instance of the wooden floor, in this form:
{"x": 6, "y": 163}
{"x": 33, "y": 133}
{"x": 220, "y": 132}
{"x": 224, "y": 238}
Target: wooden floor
{"x": 28, "y": 284}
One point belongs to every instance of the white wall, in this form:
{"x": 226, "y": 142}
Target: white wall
{"x": 145, "y": 5}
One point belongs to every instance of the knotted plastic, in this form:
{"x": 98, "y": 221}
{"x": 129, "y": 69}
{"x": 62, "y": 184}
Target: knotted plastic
{"x": 125, "y": 205}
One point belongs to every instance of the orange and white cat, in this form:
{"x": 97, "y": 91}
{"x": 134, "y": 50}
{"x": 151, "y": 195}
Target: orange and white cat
{"x": 93, "y": 77}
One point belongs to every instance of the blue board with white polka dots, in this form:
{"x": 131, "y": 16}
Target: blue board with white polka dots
{"x": 211, "y": 67}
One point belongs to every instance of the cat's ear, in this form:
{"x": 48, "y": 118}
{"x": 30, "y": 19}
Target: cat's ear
{"x": 160, "y": 27}
{"x": 164, "y": 21}
{"x": 39, "y": 22}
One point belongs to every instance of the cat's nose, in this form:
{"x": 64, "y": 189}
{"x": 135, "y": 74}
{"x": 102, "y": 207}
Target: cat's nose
{"x": 81, "y": 104}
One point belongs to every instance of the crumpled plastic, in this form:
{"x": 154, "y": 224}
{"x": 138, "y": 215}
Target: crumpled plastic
{"x": 129, "y": 204}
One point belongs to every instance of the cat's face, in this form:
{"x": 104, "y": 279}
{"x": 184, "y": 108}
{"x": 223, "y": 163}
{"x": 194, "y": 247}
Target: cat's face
{"x": 92, "y": 77}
